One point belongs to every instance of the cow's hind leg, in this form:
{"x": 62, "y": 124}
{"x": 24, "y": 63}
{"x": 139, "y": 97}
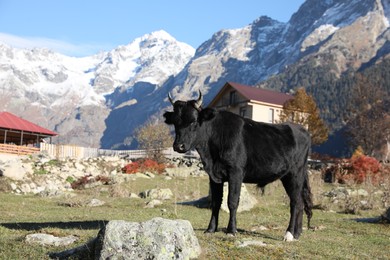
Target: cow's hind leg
{"x": 293, "y": 186}
{"x": 216, "y": 200}
{"x": 233, "y": 201}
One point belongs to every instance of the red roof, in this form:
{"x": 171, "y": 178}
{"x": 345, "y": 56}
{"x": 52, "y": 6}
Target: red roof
{"x": 261, "y": 95}
{"x": 10, "y": 121}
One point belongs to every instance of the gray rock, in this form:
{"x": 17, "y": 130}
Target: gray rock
{"x": 358, "y": 192}
{"x": 95, "y": 203}
{"x": 154, "y": 239}
{"x": 157, "y": 238}
{"x": 160, "y": 194}
{"x": 50, "y": 240}
{"x": 153, "y": 203}
{"x": 14, "y": 169}
{"x": 247, "y": 201}
{"x": 134, "y": 196}
{"x": 249, "y": 242}
{"x": 185, "y": 171}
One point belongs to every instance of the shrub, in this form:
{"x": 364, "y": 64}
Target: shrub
{"x": 356, "y": 170}
{"x": 40, "y": 171}
{"x": 131, "y": 168}
{"x": 70, "y": 179}
{"x": 364, "y": 167}
{"x": 82, "y": 182}
{"x": 144, "y": 165}
{"x": 152, "y": 166}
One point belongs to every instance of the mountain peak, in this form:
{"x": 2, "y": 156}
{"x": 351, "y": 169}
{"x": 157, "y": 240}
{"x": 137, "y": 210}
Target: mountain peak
{"x": 158, "y": 38}
{"x": 160, "y": 34}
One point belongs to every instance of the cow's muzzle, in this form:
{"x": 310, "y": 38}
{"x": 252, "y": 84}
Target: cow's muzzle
{"x": 180, "y": 148}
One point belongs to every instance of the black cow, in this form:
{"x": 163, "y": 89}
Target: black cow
{"x": 237, "y": 150}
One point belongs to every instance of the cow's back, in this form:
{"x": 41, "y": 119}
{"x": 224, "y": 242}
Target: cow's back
{"x": 273, "y": 150}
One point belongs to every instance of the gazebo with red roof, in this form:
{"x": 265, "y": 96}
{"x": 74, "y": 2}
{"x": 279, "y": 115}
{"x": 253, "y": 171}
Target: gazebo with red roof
{"x": 18, "y": 131}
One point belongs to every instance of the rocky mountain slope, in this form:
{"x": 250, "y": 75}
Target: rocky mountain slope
{"x": 73, "y": 96}
{"x": 124, "y": 88}
{"x": 335, "y": 36}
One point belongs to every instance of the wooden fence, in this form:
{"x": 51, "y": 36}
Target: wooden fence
{"x": 72, "y": 151}
{"x": 68, "y": 151}
{"x": 17, "y": 149}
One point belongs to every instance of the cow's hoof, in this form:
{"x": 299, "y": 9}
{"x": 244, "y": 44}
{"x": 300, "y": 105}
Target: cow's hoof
{"x": 288, "y": 237}
{"x": 231, "y": 234}
{"x": 209, "y": 231}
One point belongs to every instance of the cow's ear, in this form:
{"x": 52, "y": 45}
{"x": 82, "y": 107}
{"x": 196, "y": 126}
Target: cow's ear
{"x": 168, "y": 118}
{"x": 206, "y": 114}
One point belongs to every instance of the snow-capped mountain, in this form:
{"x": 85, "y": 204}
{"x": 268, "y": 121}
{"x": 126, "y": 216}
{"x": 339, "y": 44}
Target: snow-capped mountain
{"x": 61, "y": 92}
{"x": 100, "y": 100}
{"x": 350, "y": 32}
{"x": 356, "y": 29}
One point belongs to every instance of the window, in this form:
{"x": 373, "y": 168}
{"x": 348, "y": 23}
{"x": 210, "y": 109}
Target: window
{"x": 233, "y": 97}
{"x": 271, "y": 113}
{"x": 243, "y": 111}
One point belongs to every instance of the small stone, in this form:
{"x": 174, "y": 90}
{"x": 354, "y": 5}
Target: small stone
{"x": 50, "y": 240}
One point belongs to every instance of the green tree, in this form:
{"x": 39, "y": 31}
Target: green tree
{"x": 302, "y": 109}
{"x": 154, "y": 137}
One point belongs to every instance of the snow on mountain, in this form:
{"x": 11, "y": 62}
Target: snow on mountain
{"x": 48, "y": 75}
{"x": 318, "y": 35}
{"x": 262, "y": 49}
{"x": 151, "y": 58}
{"x": 53, "y": 88}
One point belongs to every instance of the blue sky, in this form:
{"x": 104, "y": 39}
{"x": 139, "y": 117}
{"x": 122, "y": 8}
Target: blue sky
{"x": 85, "y": 27}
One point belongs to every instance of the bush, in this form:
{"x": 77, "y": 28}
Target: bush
{"x": 144, "y": 165}
{"x": 82, "y": 182}
{"x": 356, "y": 170}
{"x": 131, "y": 168}
{"x": 364, "y": 167}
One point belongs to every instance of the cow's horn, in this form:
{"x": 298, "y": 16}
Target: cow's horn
{"x": 200, "y": 100}
{"x": 170, "y": 99}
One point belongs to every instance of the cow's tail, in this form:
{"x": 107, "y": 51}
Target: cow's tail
{"x": 307, "y": 198}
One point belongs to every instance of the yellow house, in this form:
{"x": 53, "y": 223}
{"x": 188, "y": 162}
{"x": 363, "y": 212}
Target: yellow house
{"x": 255, "y": 103}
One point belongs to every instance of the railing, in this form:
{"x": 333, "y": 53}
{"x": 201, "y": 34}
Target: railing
{"x": 17, "y": 149}
{"x": 72, "y": 151}
{"x": 68, "y": 151}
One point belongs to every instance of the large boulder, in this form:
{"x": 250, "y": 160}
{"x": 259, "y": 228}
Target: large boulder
{"x": 247, "y": 201}
{"x": 15, "y": 169}
{"x": 157, "y": 238}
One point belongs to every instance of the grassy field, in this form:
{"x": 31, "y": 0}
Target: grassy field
{"x": 337, "y": 235}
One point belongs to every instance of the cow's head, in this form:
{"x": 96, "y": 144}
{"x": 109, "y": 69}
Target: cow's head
{"x": 187, "y": 117}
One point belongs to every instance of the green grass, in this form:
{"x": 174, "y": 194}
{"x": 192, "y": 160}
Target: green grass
{"x": 339, "y": 236}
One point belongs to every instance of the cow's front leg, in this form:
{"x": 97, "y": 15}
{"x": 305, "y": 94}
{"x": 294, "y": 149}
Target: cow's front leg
{"x": 233, "y": 201}
{"x": 216, "y": 200}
